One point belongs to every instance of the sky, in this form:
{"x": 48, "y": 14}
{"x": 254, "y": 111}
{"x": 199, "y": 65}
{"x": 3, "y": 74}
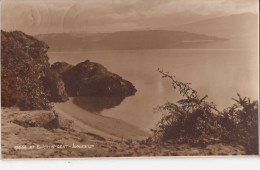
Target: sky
{"x": 89, "y": 16}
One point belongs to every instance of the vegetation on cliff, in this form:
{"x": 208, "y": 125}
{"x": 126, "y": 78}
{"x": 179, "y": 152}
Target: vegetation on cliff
{"x": 24, "y": 61}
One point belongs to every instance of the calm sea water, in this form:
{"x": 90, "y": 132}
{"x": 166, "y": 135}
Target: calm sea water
{"x": 220, "y": 73}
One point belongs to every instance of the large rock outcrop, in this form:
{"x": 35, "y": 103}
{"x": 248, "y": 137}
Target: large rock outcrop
{"x": 30, "y": 83}
{"x": 93, "y": 79}
{"x": 55, "y": 87}
{"x": 24, "y": 64}
{"x": 61, "y": 67}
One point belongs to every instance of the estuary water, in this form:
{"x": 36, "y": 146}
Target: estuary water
{"x": 219, "y": 73}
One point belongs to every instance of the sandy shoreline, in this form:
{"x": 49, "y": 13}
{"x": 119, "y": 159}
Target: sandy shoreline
{"x": 17, "y": 131}
{"x": 98, "y": 124}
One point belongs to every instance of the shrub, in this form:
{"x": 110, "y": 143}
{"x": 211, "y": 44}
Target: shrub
{"x": 193, "y": 120}
{"x": 240, "y": 124}
{"x": 189, "y": 118}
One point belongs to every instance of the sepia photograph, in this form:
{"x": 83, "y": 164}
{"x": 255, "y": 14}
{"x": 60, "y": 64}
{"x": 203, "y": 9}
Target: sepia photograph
{"x": 129, "y": 78}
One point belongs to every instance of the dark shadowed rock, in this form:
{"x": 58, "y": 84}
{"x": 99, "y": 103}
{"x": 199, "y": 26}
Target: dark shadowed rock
{"x": 61, "y": 67}
{"x": 30, "y": 83}
{"x": 93, "y": 79}
{"x": 24, "y": 61}
{"x": 55, "y": 86}
{"x": 26, "y": 78}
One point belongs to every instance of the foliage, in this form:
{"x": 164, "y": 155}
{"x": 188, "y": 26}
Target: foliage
{"x": 23, "y": 63}
{"x": 193, "y": 119}
{"x": 240, "y": 124}
{"x": 22, "y": 87}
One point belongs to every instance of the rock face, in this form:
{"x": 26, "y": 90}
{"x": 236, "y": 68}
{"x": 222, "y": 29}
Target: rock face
{"x": 61, "y": 67}
{"x": 30, "y": 83}
{"x": 45, "y": 119}
{"x": 24, "y": 64}
{"x": 24, "y": 61}
{"x": 55, "y": 86}
{"x": 33, "y": 118}
{"x": 93, "y": 79}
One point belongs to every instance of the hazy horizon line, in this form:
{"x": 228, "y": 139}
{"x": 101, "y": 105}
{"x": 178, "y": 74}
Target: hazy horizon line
{"x": 125, "y": 30}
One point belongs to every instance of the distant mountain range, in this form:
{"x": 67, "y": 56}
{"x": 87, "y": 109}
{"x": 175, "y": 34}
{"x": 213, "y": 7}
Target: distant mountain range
{"x": 241, "y": 31}
{"x": 127, "y": 40}
{"x": 232, "y": 26}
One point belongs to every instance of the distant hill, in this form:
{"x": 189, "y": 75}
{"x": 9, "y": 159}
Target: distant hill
{"x": 239, "y": 28}
{"x": 127, "y": 40}
{"x": 226, "y": 26}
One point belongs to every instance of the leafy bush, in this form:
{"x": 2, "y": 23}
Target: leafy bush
{"x": 240, "y": 124}
{"x": 193, "y": 120}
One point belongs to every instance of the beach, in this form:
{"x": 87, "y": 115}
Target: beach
{"x": 99, "y": 124}
{"x": 82, "y": 140}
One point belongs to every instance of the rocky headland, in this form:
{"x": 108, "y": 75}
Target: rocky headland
{"x": 24, "y": 62}
{"x": 92, "y": 79}
{"x": 31, "y": 83}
